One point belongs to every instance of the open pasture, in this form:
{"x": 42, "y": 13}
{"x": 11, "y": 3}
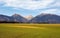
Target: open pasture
{"x": 29, "y": 30}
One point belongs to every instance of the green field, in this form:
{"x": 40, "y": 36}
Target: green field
{"x": 29, "y": 30}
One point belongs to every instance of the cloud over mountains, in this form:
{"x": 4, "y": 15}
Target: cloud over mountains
{"x": 44, "y": 6}
{"x": 30, "y": 4}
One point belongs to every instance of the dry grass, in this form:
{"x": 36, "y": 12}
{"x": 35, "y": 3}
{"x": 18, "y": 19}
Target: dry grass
{"x": 29, "y": 30}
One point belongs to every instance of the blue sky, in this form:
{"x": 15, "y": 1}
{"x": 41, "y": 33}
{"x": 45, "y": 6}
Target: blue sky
{"x": 29, "y": 7}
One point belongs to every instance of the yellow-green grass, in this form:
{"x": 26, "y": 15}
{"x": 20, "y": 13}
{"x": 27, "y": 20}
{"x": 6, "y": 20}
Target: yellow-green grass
{"x": 29, "y": 30}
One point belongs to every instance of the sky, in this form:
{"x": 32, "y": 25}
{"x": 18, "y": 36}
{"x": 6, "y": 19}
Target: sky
{"x": 29, "y": 7}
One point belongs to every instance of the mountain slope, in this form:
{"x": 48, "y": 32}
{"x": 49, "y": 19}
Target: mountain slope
{"x": 14, "y": 18}
{"x": 18, "y": 18}
{"x": 29, "y": 17}
{"x": 50, "y": 18}
{"x": 6, "y": 18}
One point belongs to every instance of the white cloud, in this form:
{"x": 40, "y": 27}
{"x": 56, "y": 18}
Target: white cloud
{"x": 57, "y": 3}
{"x": 28, "y": 4}
{"x": 51, "y": 11}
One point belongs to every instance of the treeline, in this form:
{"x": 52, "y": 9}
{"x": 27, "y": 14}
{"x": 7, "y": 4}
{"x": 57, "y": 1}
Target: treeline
{"x": 28, "y": 22}
{"x": 8, "y": 22}
{"x": 23, "y": 22}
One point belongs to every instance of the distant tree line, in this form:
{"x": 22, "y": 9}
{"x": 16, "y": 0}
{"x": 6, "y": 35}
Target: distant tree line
{"x": 8, "y": 22}
{"x": 25, "y": 22}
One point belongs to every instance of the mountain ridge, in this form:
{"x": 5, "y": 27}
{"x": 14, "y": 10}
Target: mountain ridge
{"x": 48, "y": 18}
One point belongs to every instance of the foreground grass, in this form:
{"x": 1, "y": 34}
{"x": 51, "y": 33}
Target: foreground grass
{"x": 21, "y": 31}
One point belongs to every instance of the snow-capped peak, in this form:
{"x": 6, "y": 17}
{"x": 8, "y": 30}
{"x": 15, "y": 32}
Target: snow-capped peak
{"x": 29, "y": 17}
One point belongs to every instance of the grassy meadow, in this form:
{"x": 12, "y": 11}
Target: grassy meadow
{"x": 29, "y": 30}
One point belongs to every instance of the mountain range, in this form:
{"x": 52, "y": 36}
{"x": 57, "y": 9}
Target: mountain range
{"x": 46, "y": 18}
{"x": 42, "y": 18}
{"x": 13, "y": 18}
